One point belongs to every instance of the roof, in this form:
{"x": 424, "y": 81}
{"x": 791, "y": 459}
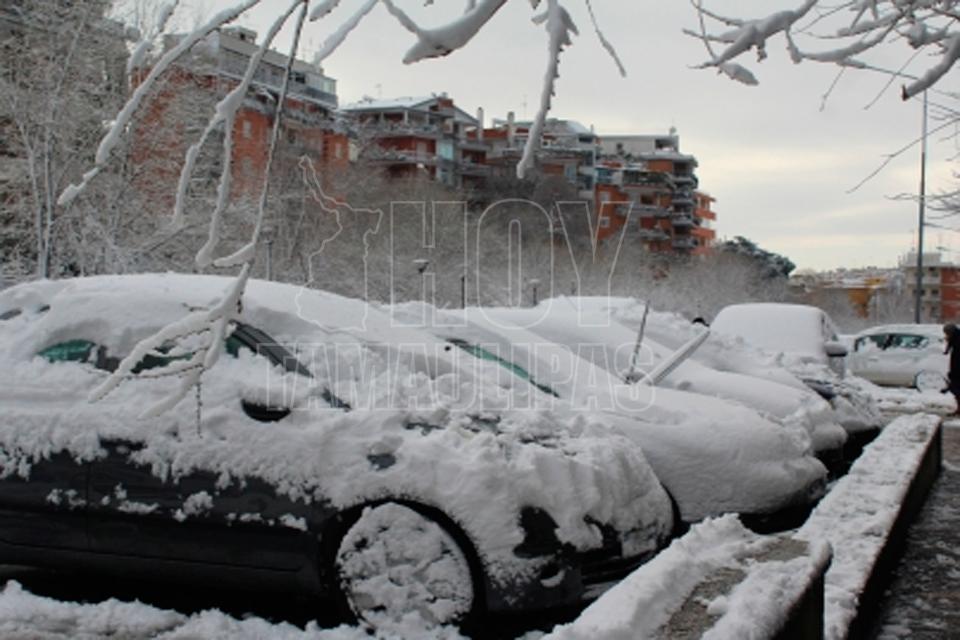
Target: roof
{"x": 407, "y": 103}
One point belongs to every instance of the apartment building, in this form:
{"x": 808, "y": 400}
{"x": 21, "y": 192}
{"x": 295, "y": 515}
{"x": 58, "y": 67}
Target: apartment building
{"x": 646, "y": 183}
{"x": 420, "y": 136}
{"x": 940, "y": 286}
{"x": 568, "y": 149}
{"x": 185, "y": 100}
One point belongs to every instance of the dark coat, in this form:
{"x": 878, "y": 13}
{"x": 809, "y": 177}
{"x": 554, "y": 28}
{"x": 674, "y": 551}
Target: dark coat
{"x": 953, "y": 348}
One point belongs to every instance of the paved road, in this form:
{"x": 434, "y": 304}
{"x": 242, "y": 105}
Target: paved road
{"x": 923, "y": 601}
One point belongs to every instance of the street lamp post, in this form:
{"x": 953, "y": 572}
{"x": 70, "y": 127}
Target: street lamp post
{"x": 535, "y": 283}
{"x": 421, "y": 264}
{"x": 268, "y": 236}
{"x": 923, "y": 200}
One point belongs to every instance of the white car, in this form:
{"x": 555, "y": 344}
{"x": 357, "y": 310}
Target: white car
{"x": 904, "y": 355}
{"x": 809, "y": 347}
{"x": 711, "y": 455}
{"x": 611, "y": 346}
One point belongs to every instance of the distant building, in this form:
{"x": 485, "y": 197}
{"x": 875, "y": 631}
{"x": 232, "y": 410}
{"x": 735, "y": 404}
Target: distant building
{"x": 870, "y": 292}
{"x": 420, "y": 136}
{"x": 567, "y": 149}
{"x": 646, "y": 183}
{"x": 940, "y": 286}
{"x": 215, "y": 67}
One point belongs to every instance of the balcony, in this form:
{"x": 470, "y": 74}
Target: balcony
{"x": 683, "y": 220}
{"x": 647, "y": 178}
{"x": 686, "y": 179}
{"x": 684, "y": 243}
{"x": 403, "y": 157}
{"x": 652, "y": 235}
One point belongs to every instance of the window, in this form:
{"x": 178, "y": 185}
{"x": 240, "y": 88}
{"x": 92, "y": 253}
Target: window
{"x": 247, "y": 129}
{"x": 907, "y": 341}
{"x": 69, "y": 351}
{"x": 604, "y": 222}
{"x": 876, "y": 341}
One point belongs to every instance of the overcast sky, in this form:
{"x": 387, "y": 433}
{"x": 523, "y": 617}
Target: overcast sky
{"x": 779, "y": 167}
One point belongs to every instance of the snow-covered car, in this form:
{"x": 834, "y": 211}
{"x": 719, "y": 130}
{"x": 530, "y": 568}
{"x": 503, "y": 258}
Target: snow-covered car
{"x": 264, "y": 476}
{"x": 594, "y": 335}
{"x": 906, "y": 355}
{"x": 711, "y": 455}
{"x": 807, "y": 340}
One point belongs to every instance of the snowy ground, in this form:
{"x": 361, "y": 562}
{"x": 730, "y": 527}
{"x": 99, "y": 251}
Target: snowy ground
{"x": 924, "y": 602}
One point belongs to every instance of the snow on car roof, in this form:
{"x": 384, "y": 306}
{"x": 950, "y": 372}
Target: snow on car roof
{"x": 790, "y": 328}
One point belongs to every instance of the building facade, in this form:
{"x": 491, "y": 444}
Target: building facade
{"x": 426, "y": 137}
{"x": 647, "y": 185}
{"x": 940, "y": 287}
{"x": 187, "y": 96}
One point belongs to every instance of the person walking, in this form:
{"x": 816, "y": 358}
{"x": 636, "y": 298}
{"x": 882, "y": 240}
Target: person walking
{"x": 952, "y": 336}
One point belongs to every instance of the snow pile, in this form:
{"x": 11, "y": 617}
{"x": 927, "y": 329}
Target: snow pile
{"x": 899, "y": 400}
{"x": 27, "y": 616}
{"x": 750, "y": 595}
{"x": 857, "y": 515}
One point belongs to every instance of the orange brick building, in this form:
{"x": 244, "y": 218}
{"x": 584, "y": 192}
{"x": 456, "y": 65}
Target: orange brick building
{"x": 645, "y": 183}
{"x": 940, "y": 293}
{"x": 174, "y": 116}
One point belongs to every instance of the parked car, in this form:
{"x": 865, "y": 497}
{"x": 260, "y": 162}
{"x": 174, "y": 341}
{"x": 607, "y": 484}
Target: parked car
{"x": 594, "y": 335}
{"x": 711, "y": 455}
{"x": 266, "y": 476}
{"x": 807, "y": 340}
{"x": 908, "y": 355}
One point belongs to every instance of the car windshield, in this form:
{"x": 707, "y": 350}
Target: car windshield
{"x": 244, "y": 337}
{"x": 484, "y": 354}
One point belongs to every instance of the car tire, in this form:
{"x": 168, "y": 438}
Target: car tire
{"x": 394, "y": 560}
{"x": 929, "y": 381}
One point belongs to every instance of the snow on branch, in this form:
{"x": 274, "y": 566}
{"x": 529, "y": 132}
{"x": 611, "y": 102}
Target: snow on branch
{"x": 143, "y": 47}
{"x": 440, "y": 41}
{"x": 854, "y": 28}
{"x": 559, "y": 26}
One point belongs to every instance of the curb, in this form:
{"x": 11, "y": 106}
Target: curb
{"x": 723, "y": 582}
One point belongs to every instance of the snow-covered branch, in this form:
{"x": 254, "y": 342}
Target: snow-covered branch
{"x": 851, "y": 30}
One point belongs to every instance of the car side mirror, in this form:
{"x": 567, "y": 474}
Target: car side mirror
{"x": 836, "y": 349}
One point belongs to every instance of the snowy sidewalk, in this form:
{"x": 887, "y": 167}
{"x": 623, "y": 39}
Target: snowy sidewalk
{"x": 923, "y": 602}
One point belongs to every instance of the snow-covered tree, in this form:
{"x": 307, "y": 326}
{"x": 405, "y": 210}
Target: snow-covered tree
{"x": 61, "y": 78}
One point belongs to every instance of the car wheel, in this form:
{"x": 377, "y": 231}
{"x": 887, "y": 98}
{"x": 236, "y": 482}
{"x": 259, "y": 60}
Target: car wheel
{"x": 929, "y": 381}
{"x": 394, "y": 561}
